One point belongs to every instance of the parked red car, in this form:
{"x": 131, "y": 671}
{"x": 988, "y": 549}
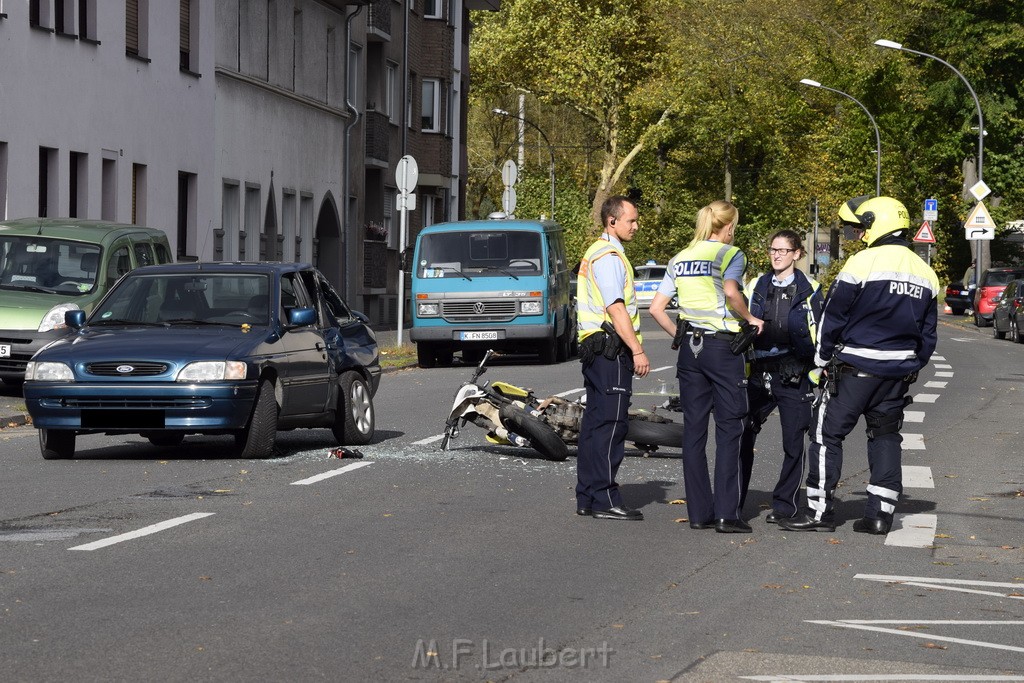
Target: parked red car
{"x": 993, "y": 282}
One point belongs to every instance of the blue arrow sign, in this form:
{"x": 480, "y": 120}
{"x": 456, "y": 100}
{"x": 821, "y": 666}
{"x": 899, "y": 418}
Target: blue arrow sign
{"x": 931, "y": 205}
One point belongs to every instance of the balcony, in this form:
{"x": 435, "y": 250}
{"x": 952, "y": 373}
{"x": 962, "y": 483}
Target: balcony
{"x": 378, "y": 138}
{"x": 378, "y": 21}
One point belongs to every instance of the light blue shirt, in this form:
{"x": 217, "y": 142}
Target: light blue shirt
{"x": 610, "y": 274}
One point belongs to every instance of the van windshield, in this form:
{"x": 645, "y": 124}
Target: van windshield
{"x": 473, "y": 254}
{"x": 41, "y": 264}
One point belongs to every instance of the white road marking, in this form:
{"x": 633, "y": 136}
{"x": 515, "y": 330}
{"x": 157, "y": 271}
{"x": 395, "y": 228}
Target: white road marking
{"x": 144, "y": 531}
{"x": 913, "y": 531}
{"x": 570, "y": 392}
{"x": 922, "y": 580}
{"x": 925, "y": 636}
{"x": 963, "y": 339}
{"x": 936, "y": 356}
{"x": 943, "y": 374}
{"x": 943, "y": 366}
{"x": 935, "y": 385}
{"x": 913, "y": 442}
{"x": 664, "y": 367}
{"x": 913, "y": 416}
{"x": 327, "y": 475}
{"x": 786, "y": 678}
{"x": 428, "y": 440}
{"x": 917, "y": 477}
{"x": 925, "y": 398}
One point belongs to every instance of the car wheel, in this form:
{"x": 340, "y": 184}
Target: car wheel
{"x": 978, "y": 320}
{"x": 354, "y": 415}
{"x": 425, "y": 356}
{"x": 165, "y": 439}
{"x": 549, "y": 350}
{"x": 996, "y": 332}
{"x": 56, "y": 444}
{"x": 256, "y": 441}
{"x": 564, "y": 345}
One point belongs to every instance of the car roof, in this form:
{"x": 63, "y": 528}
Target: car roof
{"x": 76, "y": 229}
{"x": 269, "y": 267}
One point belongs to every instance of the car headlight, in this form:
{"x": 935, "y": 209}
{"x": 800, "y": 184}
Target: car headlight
{"x": 426, "y": 310}
{"x": 54, "y": 318}
{"x": 212, "y": 371}
{"x": 42, "y": 371}
{"x": 529, "y": 307}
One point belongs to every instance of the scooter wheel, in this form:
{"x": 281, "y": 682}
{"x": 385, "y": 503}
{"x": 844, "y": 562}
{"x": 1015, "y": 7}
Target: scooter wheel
{"x": 654, "y": 433}
{"x": 543, "y": 438}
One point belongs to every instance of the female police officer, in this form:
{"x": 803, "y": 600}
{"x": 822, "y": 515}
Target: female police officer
{"x": 790, "y": 304}
{"x": 707, "y": 279}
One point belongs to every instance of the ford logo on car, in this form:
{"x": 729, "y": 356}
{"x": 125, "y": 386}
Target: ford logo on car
{"x": 125, "y": 369}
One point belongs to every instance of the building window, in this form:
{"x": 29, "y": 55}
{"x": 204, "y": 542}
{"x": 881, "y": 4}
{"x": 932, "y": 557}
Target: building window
{"x": 185, "y": 35}
{"x": 62, "y": 19}
{"x": 249, "y": 242}
{"x": 393, "y": 92}
{"x": 139, "y": 194}
{"x": 432, "y": 9}
{"x": 39, "y": 13}
{"x": 430, "y": 106}
{"x": 78, "y": 185}
{"x": 354, "y": 59}
{"x": 389, "y": 217}
{"x": 136, "y": 28}
{"x": 305, "y": 238}
{"x": 3, "y": 180}
{"x": 229, "y": 217}
{"x": 87, "y": 19}
{"x": 288, "y": 206}
{"x": 47, "y": 181}
{"x": 108, "y": 179}
{"x": 186, "y": 211}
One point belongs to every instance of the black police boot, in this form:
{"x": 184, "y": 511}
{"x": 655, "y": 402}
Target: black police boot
{"x": 878, "y": 526}
{"x": 804, "y": 521}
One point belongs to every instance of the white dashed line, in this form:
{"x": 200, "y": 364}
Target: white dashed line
{"x": 428, "y": 440}
{"x": 913, "y": 531}
{"x": 950, "y": 584}
{"x": 935, "y": 385}
{"x": 144, "y": 531}
{"x": 913, "y": 442}
{"x": 663, "y": 367}
{"x": 917, "y": 477}
{"x": 938, "y": 357}
{"x": 327, "y": 475}
{"x": 926, "y": 636}
{"x": 913, "y": 416}
{"x": 570, "y": 392}
{"x": 943, "y": 366}
{"x": 925, "y": 398}
{"x": 787, "y": 678}
{"x": 943, "y": 374}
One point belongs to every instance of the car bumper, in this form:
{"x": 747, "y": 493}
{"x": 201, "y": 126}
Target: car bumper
{"x": 118, "y": 408}
{"x": 454, "y": 335}
{"x": 18, "y": 346}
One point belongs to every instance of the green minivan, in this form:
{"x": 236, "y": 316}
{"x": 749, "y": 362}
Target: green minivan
{"x": 49, "y": 266}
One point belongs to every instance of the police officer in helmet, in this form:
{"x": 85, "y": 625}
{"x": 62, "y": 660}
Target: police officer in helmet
{"x": 878, "y": 329}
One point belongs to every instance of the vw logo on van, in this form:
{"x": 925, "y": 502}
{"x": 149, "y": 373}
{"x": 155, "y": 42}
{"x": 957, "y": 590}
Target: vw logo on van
{"x": 479, "y": 307}
{"x": 125, "y": 369}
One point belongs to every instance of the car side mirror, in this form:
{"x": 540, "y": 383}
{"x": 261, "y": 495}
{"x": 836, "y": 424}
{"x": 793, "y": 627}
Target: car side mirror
{"x": 74, "y": 319}
{"x": 301, "y": 317}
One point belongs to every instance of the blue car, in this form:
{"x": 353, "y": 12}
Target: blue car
{"x": 245, "y": 349}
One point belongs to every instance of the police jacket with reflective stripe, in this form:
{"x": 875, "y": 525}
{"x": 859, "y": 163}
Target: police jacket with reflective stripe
{"x": 590, "y": 306}
{"x": 882, "y": 308}
{"x": 697, "y": 272}
{"x": 803, "y": 316}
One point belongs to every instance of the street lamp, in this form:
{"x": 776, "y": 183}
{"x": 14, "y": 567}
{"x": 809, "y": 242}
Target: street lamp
{"x": 979, "y": 262}
{"x": 551, "y": 151}
{"x": 878, "y": 139}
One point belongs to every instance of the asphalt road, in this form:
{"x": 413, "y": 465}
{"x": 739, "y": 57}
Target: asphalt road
{"x": 416, "y": 564}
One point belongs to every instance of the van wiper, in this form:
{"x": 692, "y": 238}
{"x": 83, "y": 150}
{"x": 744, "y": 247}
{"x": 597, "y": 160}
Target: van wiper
{"x": 121, "y": 321}
{"x": 502, "y": 270}
{"x": 454, "y": 270}
{"x": 29, "y": 288}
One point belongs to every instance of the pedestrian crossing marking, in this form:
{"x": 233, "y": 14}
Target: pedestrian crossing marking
{"x": 935, "y": 385}
{"x": 917, "y": 477}
{"x": 913, "y": 416}
{"x": 913, "y": 531}
{"x": 913, "y": 442}
{"x": 925, "y": 398}
{"x": 943, "y": 374}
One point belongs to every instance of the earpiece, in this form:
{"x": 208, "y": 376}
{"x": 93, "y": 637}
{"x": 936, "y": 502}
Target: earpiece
{"x": 613, "y": 220}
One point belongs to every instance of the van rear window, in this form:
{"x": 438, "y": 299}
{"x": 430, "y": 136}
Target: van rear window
{"x": 478, "y": 253}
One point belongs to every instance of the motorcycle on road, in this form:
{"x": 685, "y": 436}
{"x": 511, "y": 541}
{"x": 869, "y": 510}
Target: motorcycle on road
{"x": 512, "y": 415}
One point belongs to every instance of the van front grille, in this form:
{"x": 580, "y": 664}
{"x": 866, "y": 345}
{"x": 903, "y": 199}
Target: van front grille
{"x": 478, "y": 311}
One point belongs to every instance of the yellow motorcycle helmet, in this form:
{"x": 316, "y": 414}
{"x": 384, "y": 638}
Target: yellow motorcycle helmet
{"x": 876, "y": 216}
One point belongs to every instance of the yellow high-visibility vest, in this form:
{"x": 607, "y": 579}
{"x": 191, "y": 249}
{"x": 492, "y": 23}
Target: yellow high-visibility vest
{"x": 590, "y": 307}
{"x": 697, "y": 272}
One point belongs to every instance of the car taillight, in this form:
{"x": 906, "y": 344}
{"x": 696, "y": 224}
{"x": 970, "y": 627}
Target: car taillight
{"x": 950, "y": 290}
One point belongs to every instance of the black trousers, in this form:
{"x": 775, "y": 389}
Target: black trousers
{"x": 794, "y": 403}
{"x": 878, "y": 399}
{"x": 712, "y": 377}
{"x": 602, "y": 442}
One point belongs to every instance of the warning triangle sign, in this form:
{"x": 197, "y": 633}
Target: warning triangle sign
{"x": 925, "y": 233}
{"x": 979, "y": 218}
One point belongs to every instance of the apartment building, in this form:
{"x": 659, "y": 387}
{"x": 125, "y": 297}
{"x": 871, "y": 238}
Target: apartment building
{"x": 245, "y": 129}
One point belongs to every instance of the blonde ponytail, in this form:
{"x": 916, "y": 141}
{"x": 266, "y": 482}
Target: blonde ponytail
{"x": 712, "y": 218}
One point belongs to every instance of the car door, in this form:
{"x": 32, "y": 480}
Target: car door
{"x": 306, "y": 381}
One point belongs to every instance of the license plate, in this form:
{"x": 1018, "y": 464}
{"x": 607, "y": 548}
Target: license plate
{"x": 483, "y": 335}
{"x": 5, "y": 350}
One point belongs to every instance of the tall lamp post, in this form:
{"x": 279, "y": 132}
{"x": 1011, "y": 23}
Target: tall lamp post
{"x": 981, "y": 126}
{"x": 878, "y": 138}
{"x": 551, "y": 150}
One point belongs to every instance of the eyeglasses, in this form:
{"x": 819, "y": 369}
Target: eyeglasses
{"x": 773, "y": 250}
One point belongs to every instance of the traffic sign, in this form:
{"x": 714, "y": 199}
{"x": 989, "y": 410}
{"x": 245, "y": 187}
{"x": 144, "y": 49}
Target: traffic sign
{"x": 931, "y": 210}
{"x": 925, "y": 233}
{"x": 980, "y": 190}
{"x": 979, "y": 224}
{"x": 508, "y": 200}
{"x": 509, "y": 173}
{"x": 405, "y": 202}
{"x": 406, "y": 174}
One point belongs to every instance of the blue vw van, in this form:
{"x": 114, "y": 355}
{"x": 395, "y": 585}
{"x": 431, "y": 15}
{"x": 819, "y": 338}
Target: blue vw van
{"x": 498, "y": 283}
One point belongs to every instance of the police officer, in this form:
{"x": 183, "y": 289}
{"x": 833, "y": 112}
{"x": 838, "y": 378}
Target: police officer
{"x": 611, "y": 352}
{"x": 876, "y": 332}
{"x": 790, "y": 304}
{"x": 707, "y": 277}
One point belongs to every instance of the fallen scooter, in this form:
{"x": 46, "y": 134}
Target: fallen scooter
{"x": 515, "y": 416}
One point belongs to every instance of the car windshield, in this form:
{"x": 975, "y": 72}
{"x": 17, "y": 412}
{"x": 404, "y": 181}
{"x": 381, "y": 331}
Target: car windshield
{"x": 650, "y": 273}
{"x": 41, "y": 264}
{"x": 187, "y": 298}
{"x": 1000, "y": 278}
{"x": 472, "y": 254}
